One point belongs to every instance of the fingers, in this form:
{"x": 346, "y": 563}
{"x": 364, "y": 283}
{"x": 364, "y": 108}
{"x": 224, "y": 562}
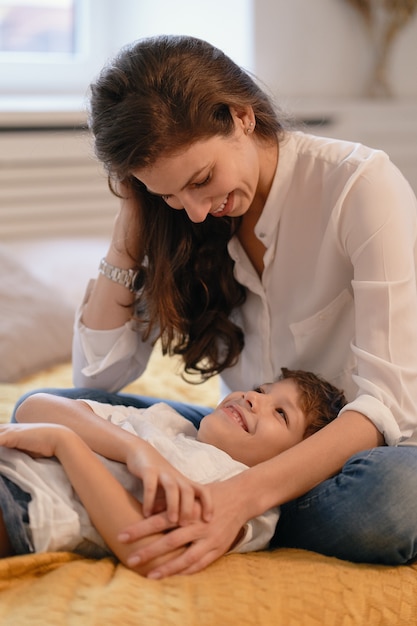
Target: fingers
{"x": 180, "y": 497}
{"x": 150, "y": 487}
{"x": 151, "y": 526}
{"x": 33, "y": 439}
{"x": 180, "y": 509}
{"x": 189, "y": 502}
{"x": 206, "y": 501}
{"x": 193, "y": 559}
{"x": 164, "y": 545}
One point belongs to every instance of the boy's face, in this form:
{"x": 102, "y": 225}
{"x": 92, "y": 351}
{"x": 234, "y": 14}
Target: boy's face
{"x": 254, "y": 426}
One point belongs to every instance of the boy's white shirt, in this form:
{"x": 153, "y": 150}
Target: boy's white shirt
{"x": 58, "y": 520}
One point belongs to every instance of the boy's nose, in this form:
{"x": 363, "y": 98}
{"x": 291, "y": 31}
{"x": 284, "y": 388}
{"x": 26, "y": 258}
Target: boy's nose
{"x": 252, "y": 398}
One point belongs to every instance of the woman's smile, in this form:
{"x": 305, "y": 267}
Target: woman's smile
{"x": 217, "y": 176}
{"x": 226, "y": 206}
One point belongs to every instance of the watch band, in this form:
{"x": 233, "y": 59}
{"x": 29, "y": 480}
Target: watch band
{"x": 126, "y": 278}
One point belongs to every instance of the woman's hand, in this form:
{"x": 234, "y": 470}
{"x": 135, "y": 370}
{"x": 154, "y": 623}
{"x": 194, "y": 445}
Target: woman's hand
{"x": 125, "y": 235}
{"x": 205, "y": 541}
{"x": 109, "y": 304}
{"x": 164, "y": 487}
{"x": 37, "y": 440}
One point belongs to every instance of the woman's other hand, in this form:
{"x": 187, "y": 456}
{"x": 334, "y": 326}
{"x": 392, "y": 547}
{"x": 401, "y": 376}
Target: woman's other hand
{"x": 204, "y": 541}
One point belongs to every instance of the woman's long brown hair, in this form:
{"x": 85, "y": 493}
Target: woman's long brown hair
{"x": 157, "y": 97}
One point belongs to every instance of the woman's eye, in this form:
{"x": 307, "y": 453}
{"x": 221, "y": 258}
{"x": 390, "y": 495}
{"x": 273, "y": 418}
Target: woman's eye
{"x": 203, "y": 182}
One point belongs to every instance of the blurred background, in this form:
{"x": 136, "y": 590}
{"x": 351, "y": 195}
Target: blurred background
{"x": 301, "y": 48}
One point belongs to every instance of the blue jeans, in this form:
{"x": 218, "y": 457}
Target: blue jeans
{"x": 14, "y": 503}
{"x": 192, "y": 412}
{"x": 366, "y": 513}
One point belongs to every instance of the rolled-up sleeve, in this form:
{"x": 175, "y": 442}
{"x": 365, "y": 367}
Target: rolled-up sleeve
{"x": 108, "y": 359}
{"x": 379, "y": 234}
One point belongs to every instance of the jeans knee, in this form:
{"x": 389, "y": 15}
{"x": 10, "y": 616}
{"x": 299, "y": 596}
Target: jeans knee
{"x": 366, "y": 513}
{"x": 386, "y": 530}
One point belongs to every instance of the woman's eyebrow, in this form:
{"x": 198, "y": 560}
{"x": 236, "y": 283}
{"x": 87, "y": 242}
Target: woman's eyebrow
{"x": 189, "y": 181}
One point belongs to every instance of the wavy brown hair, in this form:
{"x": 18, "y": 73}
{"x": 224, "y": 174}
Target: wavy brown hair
{"x": 159, "y": 96}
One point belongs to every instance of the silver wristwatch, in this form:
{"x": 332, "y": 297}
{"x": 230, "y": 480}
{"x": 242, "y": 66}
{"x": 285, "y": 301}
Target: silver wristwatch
{"x": 126, "y": 278}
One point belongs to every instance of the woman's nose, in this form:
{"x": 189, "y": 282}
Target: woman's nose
{"x": 197, "y": 209}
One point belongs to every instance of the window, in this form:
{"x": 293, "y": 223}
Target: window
{"x": 56, "y": 47}
{"x": 38, "y": 27}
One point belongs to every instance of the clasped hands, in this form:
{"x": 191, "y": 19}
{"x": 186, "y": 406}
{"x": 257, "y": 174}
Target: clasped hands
{"x": 196, "y": 523}
{"x": 184, "y": 525}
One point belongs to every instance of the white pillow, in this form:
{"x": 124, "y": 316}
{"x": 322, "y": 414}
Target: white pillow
{"x": 35, "y": 326}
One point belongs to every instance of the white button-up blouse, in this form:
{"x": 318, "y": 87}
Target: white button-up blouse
{"x": 338, "y": 294}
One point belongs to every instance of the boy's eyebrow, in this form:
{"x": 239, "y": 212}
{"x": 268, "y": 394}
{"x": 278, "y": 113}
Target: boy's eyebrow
{"x": 265, "y": 386}
{"x": 189, "y": 181}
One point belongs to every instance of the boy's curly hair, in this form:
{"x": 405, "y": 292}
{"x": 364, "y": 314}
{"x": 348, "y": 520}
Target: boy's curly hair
{"x": 320, "y": 401}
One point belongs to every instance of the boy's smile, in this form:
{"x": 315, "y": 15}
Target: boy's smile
{"x": 256, "y": 425}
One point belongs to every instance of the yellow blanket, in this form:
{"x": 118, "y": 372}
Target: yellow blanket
{"x": 284, "y": 588}
{"x": 288, "y": 588}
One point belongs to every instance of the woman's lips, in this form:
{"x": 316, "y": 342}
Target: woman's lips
{"x": 224, "y": 207}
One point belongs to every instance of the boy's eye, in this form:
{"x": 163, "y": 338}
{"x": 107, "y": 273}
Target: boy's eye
{"x": 259, "y": 390}
{"x": 283, "y": 414}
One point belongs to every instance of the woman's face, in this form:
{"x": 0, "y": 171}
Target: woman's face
{"x": 219, "y": 176}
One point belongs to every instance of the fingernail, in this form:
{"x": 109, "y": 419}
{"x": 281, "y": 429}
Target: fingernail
{"x": 123, "y": 537}
{"x": 154, "y": 575}
{"x": 133, "y": 560}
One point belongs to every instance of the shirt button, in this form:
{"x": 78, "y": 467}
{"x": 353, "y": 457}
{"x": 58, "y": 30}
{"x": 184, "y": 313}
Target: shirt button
{"x": 262, "y": 235}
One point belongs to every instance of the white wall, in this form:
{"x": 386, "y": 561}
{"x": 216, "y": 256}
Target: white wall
{"x": 320, "y": 48}
{"x": 227, "y": 24}
{"x": 308, "y": 48}
{"x": 298, "y": 48}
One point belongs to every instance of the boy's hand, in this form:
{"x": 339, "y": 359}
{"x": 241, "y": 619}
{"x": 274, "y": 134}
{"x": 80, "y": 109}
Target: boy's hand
{"x": 199, "y": 542}
{"x": 37, "y": 440}
{"x": 165, "y": 488}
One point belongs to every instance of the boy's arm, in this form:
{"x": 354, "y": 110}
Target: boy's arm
{"x": 115, "y": 443}
{"x": 99, "y": 434}
{"x": 107, "y": 502}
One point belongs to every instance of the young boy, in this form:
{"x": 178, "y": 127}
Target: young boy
{"x": 84, "y": 502}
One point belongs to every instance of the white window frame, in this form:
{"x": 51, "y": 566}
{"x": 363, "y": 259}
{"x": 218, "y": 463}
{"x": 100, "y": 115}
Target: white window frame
{"x": 106, "y": 25}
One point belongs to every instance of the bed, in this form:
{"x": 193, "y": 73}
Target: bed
{"x": 282, "y": 588}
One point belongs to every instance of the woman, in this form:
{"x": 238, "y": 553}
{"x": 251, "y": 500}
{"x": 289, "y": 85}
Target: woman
{"x": 246, "y": 245}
